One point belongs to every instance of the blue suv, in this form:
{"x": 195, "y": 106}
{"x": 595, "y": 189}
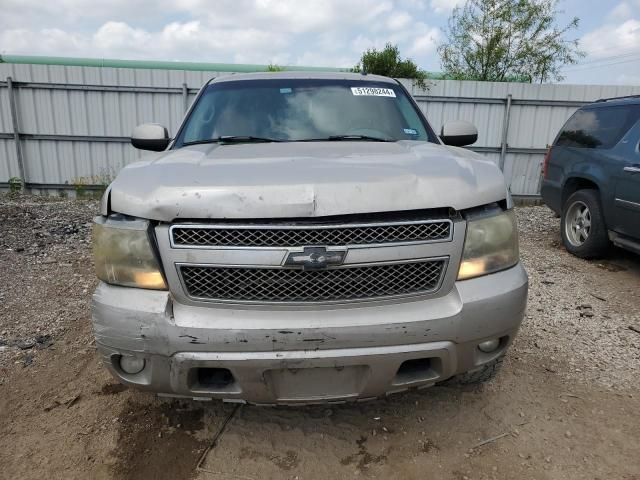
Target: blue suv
{"x": 591, "y": 177}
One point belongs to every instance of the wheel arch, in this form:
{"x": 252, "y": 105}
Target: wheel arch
{"x": 575, "y": 183}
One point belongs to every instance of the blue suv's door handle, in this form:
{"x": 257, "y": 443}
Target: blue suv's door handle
{"x": 632, "y": 168}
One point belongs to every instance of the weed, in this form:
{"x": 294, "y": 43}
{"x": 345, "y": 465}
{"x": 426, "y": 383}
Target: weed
{"x": 15, "y": 184}
{"x": 91, "y": 186}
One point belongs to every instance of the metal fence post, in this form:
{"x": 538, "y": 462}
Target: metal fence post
{"x": 16, "y": 132}
{"x": 185, "y": 97}
{"x": 505, "y": 132}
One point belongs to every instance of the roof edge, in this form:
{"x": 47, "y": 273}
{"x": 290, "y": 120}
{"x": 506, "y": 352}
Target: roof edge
{"x": 301, "y": 75}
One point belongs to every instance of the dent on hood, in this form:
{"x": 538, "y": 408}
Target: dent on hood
{"x": 304, "y": 180}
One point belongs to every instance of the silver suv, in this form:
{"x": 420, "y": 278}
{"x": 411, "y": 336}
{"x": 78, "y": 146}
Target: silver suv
{"x": 305, "y": 238}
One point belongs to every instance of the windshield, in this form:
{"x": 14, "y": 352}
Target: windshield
{"x": 303, "y": 110}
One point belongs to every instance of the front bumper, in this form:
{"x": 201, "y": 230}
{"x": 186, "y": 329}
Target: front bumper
{"x": 326, "y": 354}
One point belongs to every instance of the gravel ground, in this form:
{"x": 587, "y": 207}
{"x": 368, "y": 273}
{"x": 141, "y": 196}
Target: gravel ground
{"x": 46, "y": 272}
{"x": 564, "y": 406}
{"x": 580, "y": 313}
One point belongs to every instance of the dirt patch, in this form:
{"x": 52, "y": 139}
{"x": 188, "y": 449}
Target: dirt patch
{"x": 112, "y": 389}
{"x": 611, "y": 267}
{"x": 152, "y": 442}
{"x": 286, "y": 462}
{"x": 527, "y": 424}
{"x": 363, "y": 459}
{"x": 564, "y": 406}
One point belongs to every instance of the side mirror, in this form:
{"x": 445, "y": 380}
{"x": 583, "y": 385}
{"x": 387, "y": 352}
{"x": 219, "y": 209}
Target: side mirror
{"x": 150, "y": 136}
{"x": 459, "y": 133}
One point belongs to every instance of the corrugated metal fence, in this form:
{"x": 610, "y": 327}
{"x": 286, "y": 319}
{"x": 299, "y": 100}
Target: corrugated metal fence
{"x": 516, "y": 121}
{"x": 68, "y": 126}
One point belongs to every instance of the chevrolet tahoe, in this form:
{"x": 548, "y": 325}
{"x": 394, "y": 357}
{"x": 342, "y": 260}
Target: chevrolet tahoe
{"x": 305, "y": 238}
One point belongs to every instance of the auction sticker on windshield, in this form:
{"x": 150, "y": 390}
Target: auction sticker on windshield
{"x": 373, "y": 91}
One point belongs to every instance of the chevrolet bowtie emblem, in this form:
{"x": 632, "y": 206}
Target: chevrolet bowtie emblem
{"x": 315, "y": 258}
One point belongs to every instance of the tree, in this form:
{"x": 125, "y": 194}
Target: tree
{"x": 389, "y": 63}
{"x": 500, "y": 40}
{"x": 272, "y": 67}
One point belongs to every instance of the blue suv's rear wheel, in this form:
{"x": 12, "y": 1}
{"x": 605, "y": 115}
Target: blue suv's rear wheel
{"x": 584, "y": 232}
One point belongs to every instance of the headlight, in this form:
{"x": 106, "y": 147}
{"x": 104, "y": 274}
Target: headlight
{"x": 123, "y": 255}
{"x": 491, "y": 244}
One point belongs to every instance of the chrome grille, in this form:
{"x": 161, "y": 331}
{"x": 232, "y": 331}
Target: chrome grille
{"x": 292, "y": 285}
{"x": 290, "y": 236}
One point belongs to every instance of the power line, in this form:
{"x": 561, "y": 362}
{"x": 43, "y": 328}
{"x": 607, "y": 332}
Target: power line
{"x": 612, "y": 57}
{"x": 591, "y": 67}
{"x": 588, "y": 67}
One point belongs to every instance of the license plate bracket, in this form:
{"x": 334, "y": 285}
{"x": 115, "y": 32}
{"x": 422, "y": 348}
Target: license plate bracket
{"x": 317, "y": 383}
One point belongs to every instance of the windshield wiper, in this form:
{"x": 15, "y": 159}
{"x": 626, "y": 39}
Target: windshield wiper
{"x": 233, "y": 139}
{"x": 252, "y": 139}
{"x": 337, "y": 138}
{"x": 361, "y": 137}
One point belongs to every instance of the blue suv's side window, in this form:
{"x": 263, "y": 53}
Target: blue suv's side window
{"x": 598, "y": 127}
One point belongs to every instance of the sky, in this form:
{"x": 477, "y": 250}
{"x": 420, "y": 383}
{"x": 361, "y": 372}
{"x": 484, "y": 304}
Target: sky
{"x": 330, "y": 33}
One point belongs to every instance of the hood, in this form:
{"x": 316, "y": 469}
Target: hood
{"x": 304, "y": 179}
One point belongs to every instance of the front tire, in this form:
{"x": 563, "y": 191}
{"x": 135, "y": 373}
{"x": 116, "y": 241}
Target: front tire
{"x": 584, "y": 233}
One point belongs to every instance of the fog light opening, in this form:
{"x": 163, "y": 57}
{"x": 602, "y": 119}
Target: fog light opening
{"x": 489, "y": 346}
{"x": 131, "y": 365}
{"x": 216, "y": 378}
{"x": 417, "y": 370}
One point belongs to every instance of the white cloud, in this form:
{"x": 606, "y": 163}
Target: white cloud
{"x": 120, "y": 40}
{"x": 613, "y": 39}
{"x": 417, "y": 41}
{"x": 318, "y": 32}
{"x": 622, "y": 11}
{"x": 289, "y": 16}
{"x": 364, "y": 42}
{"x": 50, "y": 41}
{"x": 74, "y": 14}
{"x": 425, "y": 43}
{"x": 313, "y": 58}
{"x": 398, "y": 20}
{"x": 118, "y": 36}
{"x": 445, "y": 6}
{"x": 613, "y": 49}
